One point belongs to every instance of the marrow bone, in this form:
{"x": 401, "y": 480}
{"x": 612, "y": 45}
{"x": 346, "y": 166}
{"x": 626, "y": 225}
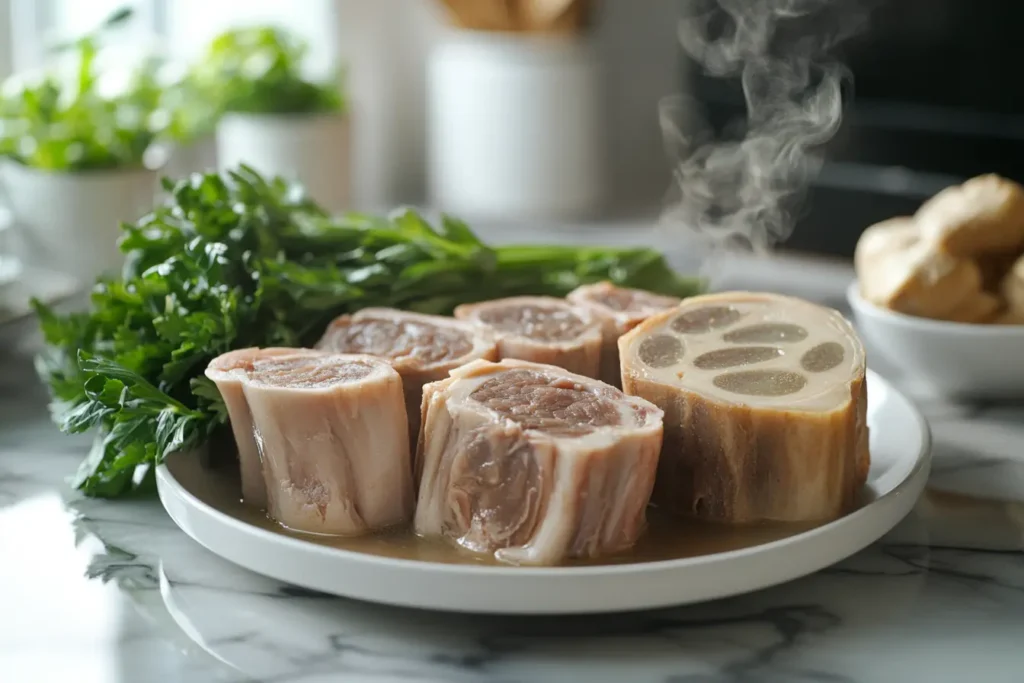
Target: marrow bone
{"x": 765, "y": 407}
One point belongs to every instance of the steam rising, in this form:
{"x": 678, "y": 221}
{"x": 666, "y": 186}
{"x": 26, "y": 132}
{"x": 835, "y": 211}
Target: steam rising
{"x": 740, "y": 191}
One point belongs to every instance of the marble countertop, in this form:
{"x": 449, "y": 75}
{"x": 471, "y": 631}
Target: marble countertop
{"x": 95, "y": 591}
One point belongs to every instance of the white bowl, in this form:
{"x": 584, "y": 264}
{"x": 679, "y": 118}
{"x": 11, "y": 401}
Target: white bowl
{"x": 955, "y": 360}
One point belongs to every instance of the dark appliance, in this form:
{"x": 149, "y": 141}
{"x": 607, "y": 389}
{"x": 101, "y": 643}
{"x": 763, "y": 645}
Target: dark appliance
{"x": 935, "y": 100}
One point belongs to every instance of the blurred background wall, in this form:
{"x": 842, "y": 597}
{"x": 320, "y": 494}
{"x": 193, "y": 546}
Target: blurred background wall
{"x": 386, "y": 43}
{"x": 932, "y": 104}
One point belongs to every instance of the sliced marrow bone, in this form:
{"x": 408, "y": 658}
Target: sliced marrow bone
{"x": 541, "y": 329}
{"x": 532, "y": 464}
{"x": 422, "y": 348}
{"x": 329, "y": 435}
{"x": 619, "y": 309}
{"x": 765, "y": 407}
{"x": 227, "y": 371}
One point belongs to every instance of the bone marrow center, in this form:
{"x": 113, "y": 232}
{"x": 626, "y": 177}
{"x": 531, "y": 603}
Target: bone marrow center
{"x": 307, "y": 372}
{"x": 823, "y": 357}
{"x": 701, "y": 320}
{"x": 400, "y": 339}
{"x": 660, "y": 351}
{"x": 766, "y": 333}
{"x": 732, "y": 357}
{"x": 535, "y": 322}
{"x": 761, "y": 382}
{"x": 555, "y": 405}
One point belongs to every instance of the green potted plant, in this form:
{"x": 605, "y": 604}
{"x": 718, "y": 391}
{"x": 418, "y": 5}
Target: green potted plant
{"x": 273, "y": 116}
{"x": 187, "y": 115}
{"x": 73, "y": 155}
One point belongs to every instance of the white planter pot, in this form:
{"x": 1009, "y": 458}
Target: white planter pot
{"x": 311, "y": 149}
{"x": 515, "y": 127}
{"x": 199, "y": 156}
{"x": 71, "y": 221}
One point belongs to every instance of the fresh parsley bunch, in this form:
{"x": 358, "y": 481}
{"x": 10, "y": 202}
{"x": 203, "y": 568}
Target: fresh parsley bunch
{"x": 238, "y": 260}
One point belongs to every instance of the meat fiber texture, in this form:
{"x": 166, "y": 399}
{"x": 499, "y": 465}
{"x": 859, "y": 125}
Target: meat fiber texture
{"x": 619, "y": 309}
{"x": 227, "y": 371}
{"x": 532, "y": 464}
{"x": 765, "y": 407}
{"x": 541, "y": 329}
{"x": 422, "y": 348}
{"x": 321, "y": 437}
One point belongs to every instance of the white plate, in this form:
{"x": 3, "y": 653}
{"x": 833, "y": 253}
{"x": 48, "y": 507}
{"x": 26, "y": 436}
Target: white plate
{"x": 900, "y": 449}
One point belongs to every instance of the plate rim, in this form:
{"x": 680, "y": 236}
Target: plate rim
{"x": 168, "y": 485}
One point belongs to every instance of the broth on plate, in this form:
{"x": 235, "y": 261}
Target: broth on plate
{"x": 666, "y": 537}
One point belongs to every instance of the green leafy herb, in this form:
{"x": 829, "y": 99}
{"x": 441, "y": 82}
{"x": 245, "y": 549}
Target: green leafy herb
{"x": 237, "y": 261}
{"x": 260, "y": 70}
{"x": 182, "y": 111}
{"x": 65, "y": 120}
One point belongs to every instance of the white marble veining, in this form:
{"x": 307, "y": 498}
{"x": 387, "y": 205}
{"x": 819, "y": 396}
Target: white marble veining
{"x": 113, "y": 592}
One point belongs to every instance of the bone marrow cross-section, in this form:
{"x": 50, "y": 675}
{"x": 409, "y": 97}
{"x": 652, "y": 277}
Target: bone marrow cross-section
{"x": 532, "y": 464}
{"x": 765, "y": 407}
{"x": 422, "y": 348}
{"x": 541, "y": 329}
{"x": 325, "y": 433}
{"x": 619, "y": 309}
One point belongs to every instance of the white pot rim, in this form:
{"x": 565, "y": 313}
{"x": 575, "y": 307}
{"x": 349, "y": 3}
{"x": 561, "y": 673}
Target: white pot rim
{"x": 97, "y": 174}
{"x": 516, "y": 40}
{"x": 342, "y": 115}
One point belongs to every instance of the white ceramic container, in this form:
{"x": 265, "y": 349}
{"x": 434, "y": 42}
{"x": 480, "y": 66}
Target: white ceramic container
{"x": 935, "y": 357}
{"x": 514, "y": 127}
{"x": 198, "y": 156}
{"x": 70, "y": 222}
{"x": 312, "y": 149}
